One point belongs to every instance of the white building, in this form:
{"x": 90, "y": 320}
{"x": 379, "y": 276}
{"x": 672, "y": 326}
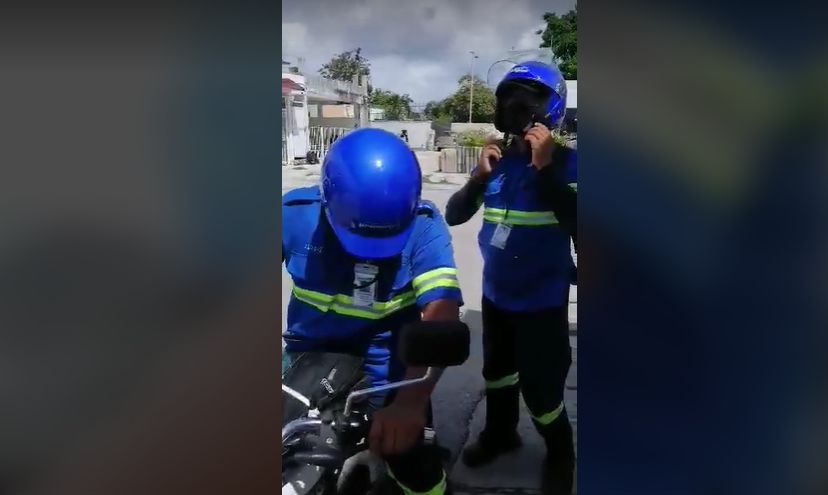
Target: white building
{"x": 572, "y": 94}
{"x": 295, "y": 120}
{"x": 316, "y": 110}
{"x": 571, "y": 119}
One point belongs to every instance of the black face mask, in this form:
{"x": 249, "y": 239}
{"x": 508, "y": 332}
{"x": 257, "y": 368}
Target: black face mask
{"x": 518, "y": 107}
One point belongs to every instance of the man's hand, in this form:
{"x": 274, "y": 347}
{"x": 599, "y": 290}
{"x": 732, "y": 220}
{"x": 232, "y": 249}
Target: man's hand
{"x": 398, "y": 427}
{"x": 542, "y": 145}
{"x": 490, "y": 155}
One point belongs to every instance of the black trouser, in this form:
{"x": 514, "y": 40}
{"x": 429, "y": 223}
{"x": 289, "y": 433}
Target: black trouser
{"x": 527, "y": 352}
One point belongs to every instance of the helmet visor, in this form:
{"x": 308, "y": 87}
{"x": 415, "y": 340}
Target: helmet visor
{"x": 499, "y": 69}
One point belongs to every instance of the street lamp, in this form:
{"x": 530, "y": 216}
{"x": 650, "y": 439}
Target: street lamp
{"x": 471, "y": 82}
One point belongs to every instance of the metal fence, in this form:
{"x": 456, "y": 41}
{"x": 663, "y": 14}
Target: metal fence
{"x": 467, "y": 157}
{"x": 321, "y": 139}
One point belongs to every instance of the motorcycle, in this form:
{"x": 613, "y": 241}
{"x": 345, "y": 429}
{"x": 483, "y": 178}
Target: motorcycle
{"x": 327, "y": 418}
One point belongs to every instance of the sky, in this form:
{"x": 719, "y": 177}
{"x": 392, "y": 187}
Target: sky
{"x": 419, "y": 47}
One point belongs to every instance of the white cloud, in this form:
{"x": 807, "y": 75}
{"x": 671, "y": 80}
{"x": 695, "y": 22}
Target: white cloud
{"x": 419, "y": 47}
{"x": 421, "y": 79}
{"x": 529, "y": 39}
{"x": 294, "y": 37}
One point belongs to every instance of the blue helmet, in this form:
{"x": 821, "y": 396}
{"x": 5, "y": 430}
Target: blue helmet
{"x": 371, "y": 185}
{"x": 542, "y": 84}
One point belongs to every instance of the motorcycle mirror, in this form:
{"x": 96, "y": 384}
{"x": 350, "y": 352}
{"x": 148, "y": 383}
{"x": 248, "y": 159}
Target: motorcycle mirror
{"x": 437, "y": 344}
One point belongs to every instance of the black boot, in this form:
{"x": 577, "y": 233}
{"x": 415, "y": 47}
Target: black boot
{"x": 558, "y": 477}
{"x": 559, "y": 467}
{"x": 489, "y": 447}
{"x": 500, "y": 434}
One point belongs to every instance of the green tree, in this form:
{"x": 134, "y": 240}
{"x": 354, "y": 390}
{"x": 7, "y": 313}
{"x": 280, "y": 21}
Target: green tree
{"x": 434, "y": 110}
{"x": 483, "y": 103}
{"x": 346, "y": 65}
{"x": 561, "y": 35}
{"x": 396, "y": 106}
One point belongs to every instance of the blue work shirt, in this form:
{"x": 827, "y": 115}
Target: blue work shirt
{"x": 325, "y": 313}
{"x": 534, "y": 268}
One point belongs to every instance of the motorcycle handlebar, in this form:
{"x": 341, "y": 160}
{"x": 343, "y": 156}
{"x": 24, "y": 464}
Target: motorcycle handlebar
{"x": 324, "y": 459}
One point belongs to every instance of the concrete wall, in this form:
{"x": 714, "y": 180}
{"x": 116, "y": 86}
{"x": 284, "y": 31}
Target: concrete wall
{"x": 336, "y": 111}
{"x": 344, "y": 122}
{"x": 420, "y": 135}
{"x": 572, "y": 94}
{"x": 295, "y": 122}
{"x": 320, "y": 88}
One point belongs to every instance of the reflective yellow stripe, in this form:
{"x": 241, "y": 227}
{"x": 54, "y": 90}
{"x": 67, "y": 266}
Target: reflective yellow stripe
{"x": 431, "y": 274}
{"x": 439, "y": 488}
{"x": 513, "y": 217}
{"x": 344, "y": 305}
{"x": 432, "y": 279}
{"x": 549, "y": 417}
{"x": 521, "y": 214}
{"x": 506, "y": 381}
{"x": 451, "y": 284}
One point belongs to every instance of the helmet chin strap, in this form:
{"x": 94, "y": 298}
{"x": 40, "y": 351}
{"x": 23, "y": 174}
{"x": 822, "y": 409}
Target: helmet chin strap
{"x": 509, "y": 138}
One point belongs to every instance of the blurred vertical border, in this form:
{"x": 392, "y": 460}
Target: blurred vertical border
{"x": 704, "y": 234}
{"x": 139, "y": 264}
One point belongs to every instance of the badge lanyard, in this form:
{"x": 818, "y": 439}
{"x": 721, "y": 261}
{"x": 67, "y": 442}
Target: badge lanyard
{"x": 503, "y": 229}
{"x": 365, "y": 284}
{"x": 521, "y": 183}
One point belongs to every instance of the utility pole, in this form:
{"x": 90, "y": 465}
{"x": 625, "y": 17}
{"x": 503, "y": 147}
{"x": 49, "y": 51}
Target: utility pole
{"x": 471, "y": 83}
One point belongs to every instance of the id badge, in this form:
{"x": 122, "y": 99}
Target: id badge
{"x": 365, "y": 284}
{"x": 501, "y": 236}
